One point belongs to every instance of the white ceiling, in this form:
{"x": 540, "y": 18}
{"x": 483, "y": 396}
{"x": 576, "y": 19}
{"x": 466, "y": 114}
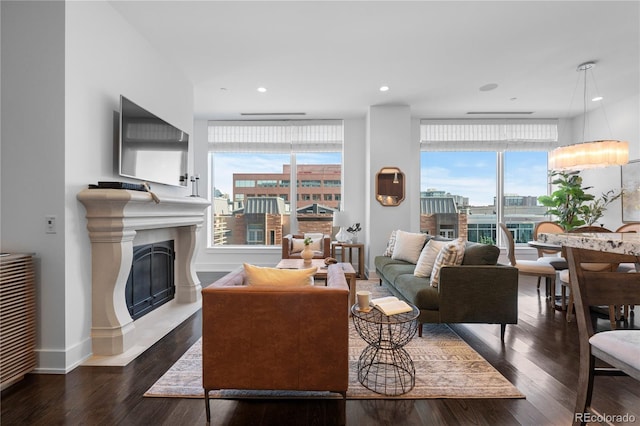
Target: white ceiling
{"x": 328, "y": 58}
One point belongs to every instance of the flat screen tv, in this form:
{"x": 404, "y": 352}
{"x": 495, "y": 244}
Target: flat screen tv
{"x": 150, "y": 149}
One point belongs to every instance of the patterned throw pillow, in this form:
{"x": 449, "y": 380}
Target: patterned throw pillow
{"x": 390, "y": 244}
{"x": 408, "y": 246}
{"x": 428, "y": 258}
{"x": 450, "y": 254}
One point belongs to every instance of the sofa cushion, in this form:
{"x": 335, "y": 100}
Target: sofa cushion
{"x": 450, "y": 254}
{"x": 480, "y": 254}
{"x": 382, "y": 262}
{"x": 418, "y": 291}
{"x": 427, "y": 258}
{"x": 261, "y": 276}
{"x": 392, "y": 271}
{"x": 408, "y": 246}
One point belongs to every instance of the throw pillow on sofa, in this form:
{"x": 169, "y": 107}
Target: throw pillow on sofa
{"x": 427, "y": 258}
{"x": 408, "y": 246}
{"x": 390, "y": 244}
{"x": 261, "y": 276}
{"x": 450, "y": 254}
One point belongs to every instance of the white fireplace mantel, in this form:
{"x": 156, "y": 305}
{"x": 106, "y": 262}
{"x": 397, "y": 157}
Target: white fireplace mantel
{"x": 114, "y": 217}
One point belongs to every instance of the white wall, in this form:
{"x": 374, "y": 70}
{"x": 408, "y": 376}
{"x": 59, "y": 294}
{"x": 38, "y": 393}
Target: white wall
{"x": 33, "y": 146}
{"x": 58, "y": 123}
{"x": 623, "y": 124}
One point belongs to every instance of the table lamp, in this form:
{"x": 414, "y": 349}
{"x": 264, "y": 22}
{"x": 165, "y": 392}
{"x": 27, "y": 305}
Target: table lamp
{"x": 341, "y": 219}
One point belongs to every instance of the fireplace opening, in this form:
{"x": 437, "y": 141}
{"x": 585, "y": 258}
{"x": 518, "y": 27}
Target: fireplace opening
{"x": 151, "y": 280}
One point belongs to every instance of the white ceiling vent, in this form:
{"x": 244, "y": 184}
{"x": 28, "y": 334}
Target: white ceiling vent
{"x": 499, "y": 112}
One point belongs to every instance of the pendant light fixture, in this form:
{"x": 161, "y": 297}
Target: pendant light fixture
{"x": 589, "y": 154}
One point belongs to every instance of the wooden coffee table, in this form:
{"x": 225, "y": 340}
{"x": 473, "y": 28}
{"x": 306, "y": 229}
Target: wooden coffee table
{"x": 347, "y": 268}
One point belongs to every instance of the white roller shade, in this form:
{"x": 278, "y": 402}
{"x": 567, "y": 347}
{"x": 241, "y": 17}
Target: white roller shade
{"x": 276, "y": 136}
{"x": 488, "y": 135}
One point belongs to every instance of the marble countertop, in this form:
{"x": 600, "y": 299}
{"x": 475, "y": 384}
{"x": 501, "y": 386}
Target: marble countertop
{"x": 613, "y": 242}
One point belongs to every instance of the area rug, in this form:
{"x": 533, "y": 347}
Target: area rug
{"x": 446, "y": 367}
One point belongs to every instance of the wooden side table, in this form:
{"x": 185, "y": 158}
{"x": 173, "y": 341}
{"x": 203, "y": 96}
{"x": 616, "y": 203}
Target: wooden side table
{"x": 347, "y": 254}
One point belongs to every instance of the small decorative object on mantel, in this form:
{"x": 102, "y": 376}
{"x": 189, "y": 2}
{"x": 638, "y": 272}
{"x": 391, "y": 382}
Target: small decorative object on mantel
{"x": 194, "y": 185}
{"x": 307, "y": 253}
{"x": 353, "y": 230}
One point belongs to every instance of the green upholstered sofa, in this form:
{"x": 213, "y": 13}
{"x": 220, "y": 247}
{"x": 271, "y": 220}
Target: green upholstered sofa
{"x": 478, "y": 291}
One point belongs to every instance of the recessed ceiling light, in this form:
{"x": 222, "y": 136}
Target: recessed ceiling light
{"x": 262, "y": 89}
{"x": 597, "y": 98}
{"x": 488, "y": 87}
{"x": 384, "y": 88}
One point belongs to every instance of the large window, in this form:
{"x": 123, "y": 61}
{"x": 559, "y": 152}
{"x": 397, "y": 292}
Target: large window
{"x": 252, "y": 166}
{"x": 467, "y": 192}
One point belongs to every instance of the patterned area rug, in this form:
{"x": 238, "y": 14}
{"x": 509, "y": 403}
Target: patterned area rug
{"x": 446, "y": 367}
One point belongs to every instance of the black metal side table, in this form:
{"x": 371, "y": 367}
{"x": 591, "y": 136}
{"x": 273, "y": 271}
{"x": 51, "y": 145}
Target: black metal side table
{"x": 384, "y": 366}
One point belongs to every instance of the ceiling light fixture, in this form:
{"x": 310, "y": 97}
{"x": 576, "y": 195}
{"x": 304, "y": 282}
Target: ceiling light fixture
{"x": 262, "y": 89}
{"x": 597, "y": 98}
{"x": 384, "y": 88}
{"x": 488, "y": 87}
{"x": 585, "y": 155}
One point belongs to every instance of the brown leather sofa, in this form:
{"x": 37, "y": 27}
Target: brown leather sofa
{"x": 287, "y": 245}
{"x": 275, "y": 337}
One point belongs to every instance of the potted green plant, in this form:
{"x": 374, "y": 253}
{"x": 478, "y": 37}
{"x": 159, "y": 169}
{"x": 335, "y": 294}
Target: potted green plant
{"x": 593, "y": 211}
{"x": 353, "y": 230}
{"x": 567, "y": 201}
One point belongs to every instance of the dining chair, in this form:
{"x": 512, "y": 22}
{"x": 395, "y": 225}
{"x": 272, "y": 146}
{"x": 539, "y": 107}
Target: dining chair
{"x": 533, "y": 268}
{"x": 589, "y": 228}
{"x": 628, "y": 267}
{"x": 630, "y": 227}
{"x": 563, "y": 276}
{"x": 620, "y": 349}
{"x": 546, "y": 255}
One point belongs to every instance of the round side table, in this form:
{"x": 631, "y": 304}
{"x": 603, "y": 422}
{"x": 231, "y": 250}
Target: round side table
{"x": 384, "y": 366}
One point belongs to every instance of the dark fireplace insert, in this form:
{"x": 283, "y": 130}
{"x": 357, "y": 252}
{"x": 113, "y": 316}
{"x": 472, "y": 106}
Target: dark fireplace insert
{"x": 151, "y": 280}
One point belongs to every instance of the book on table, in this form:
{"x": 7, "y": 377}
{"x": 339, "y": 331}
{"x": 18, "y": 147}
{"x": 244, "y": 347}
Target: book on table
{"x": 391, "y": 305}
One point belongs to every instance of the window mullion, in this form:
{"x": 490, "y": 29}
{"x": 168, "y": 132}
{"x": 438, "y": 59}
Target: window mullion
{"x": 499, "y": 195}
{"x": 293, "y": 192}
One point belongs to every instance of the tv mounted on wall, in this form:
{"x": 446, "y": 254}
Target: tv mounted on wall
{"x": 150, "y": 149}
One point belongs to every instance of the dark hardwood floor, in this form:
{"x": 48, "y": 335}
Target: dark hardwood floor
{"x": 539, "y": 356}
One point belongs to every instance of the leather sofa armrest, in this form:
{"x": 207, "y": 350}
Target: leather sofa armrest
{"x": 478, "y": 293}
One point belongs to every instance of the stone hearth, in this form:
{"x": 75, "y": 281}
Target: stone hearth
{"x": 116, "y": 220}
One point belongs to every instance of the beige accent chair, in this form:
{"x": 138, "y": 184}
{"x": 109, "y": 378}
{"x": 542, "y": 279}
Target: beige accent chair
{"x": 533, "y": 268}
{"x": 288, "y": 247}
{"x": 275, "y": 337}
{"x": 620, "y": 349}
{"x": 545, "y": 255}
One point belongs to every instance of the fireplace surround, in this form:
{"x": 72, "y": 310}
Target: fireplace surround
{"x": 117, "y": 220}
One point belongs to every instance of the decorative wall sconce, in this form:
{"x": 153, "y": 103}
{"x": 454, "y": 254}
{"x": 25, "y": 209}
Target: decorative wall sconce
{"x": 390, "y": 186}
